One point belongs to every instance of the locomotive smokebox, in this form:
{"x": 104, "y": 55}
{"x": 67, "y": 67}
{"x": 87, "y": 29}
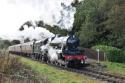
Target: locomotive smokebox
{"x": 72, "y": 41}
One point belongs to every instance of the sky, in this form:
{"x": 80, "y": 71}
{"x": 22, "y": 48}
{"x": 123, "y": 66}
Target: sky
{"x": 13, "y": 13}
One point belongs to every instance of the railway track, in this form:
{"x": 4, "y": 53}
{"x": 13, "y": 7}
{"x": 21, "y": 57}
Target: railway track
{"x": 89, "y": 71}
{"x": 108, "y": 78}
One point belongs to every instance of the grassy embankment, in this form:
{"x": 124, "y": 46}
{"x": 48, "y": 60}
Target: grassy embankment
{"x": 13, "y": 71}
{"x": 115, "y": 68}
{"x": 55, "y": 75}
{"x": 112, "y": 67}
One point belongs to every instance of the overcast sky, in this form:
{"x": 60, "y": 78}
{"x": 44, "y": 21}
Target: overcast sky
{"x": 13, "y": 13}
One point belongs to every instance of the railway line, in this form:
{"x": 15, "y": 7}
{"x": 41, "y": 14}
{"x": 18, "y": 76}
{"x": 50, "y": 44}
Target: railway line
{"x": 109, "y": 78}
{"x": 89, "y": 71}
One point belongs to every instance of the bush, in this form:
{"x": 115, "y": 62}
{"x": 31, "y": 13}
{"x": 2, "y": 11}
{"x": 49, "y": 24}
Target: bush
{"x": 104, "y": 48}
{"x": 113, "y": 54}
{"x": 116, "y": 56}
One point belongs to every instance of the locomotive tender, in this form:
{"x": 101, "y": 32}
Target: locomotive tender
{"x": 59, "y": 50}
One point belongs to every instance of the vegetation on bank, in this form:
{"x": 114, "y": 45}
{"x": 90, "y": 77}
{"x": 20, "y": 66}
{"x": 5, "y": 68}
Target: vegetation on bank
{"x": 115, "y": 68}
{"x": 113, "y": 54}
{"x": 57, "y": 75}
{"x": 109, "y": 67}
{"x": 13, "y": 71}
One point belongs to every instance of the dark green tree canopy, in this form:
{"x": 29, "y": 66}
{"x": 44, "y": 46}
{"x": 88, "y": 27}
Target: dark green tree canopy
{"x": 101, "y": 22}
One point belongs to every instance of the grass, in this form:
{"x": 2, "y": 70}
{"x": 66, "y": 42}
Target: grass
{"x": 116, "y": 68}
{"x": 13, "y": 71}
{"x": 55, "y": 75}
{"x": 112, "y": 67}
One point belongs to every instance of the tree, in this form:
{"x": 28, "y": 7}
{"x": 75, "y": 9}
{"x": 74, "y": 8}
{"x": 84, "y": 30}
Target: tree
{"x": 7, "y": 43}
{"x": 26, "y": 40}
{"x": 4, "y": 44}
{"x": 100, "y": 22}
{"x": 14, "y": 42}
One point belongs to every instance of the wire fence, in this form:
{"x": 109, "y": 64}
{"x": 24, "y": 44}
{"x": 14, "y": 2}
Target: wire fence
{"x": 92, "y": 54}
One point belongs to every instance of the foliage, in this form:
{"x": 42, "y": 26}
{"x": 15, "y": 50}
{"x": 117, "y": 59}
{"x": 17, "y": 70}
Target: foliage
{"x": 116, "y": 56}
{"x": 4, "y": 43}
{"x": 113, "y": 54}
{"x": 14, "y": 42}
{"x": 111, "y": 67}
{"x": 100, "y": 22}
{"x": 115, "y": 68}
{"x": 13, "y": 71}
{"x": 27, "y": 40}
{"x": 104, "y": 48}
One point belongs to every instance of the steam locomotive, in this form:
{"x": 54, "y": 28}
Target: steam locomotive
{"x": 58, "y": 50}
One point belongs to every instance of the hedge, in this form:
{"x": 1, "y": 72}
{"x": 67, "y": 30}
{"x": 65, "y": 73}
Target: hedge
{"x": 113, "y": 54}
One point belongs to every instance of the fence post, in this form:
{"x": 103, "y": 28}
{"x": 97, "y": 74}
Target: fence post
{"x": 98, "y": 54}
{"x": 105, "y": 57}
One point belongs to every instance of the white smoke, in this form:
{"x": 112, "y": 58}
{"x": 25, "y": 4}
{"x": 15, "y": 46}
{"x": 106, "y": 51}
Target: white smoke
{"x": 59, "y": 40}
{"x": 53, "y": 53}
{"x": 38, "y": 33}
{"x": 16, "y": 12}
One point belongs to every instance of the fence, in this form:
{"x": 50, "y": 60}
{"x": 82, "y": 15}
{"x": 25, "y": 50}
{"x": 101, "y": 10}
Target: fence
{"x": 92, "y": 54}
